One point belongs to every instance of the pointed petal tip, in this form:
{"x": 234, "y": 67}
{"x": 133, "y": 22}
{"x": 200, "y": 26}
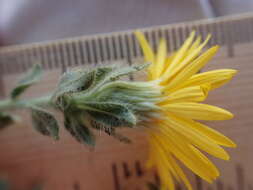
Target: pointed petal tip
{"x": 137, "y": 32}
{"x": 226, "y": 157}
{"x": 193, "y": 32}
{"x": 233, "y": 145}
{"x": 208, "y": 37}
{"x": 231, "y": 72}
{"x": 209, "y": 34}
{"x": 229, "y": 143}
{"x": 163, "y": 40}
{"x": 234, "y": 72}
{"x": 227, "y": 115}
{"x": 230, "y": 115}
{"x": 216, "y": 47}
{"x": 215, "y": 178}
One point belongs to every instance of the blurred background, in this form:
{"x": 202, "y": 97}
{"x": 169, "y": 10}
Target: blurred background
{"x": 25, "y": 21}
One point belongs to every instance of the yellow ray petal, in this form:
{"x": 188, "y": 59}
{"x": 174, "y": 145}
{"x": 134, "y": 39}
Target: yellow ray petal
{"x": 171, "y": 72}
{"x": 194, "y": 46}
{"x": 181, "y": 52}
{"x": 164, "y": 173}
{"x": 162, "y": 158}
{"x": 198, "y": 111}
{"x": 179, "y": 172}
{"x": 206, "y": 160}
{"x": 166, "y": 160}
{"x": 172, "y": 56}
{"x": 160, "y": 60}
{"x": 147, "y": 50}
{"x": 215, "y": 78}
{"x": 189, "y": 94}
{"x": 192, "y": 68}
{"x": 206, "y": 88}
{"x": 182, "y": 152}
{"x": 196, "y": 138}
{"x": 166, "y": 178}
{"x": 158, "y": 155}
{"x": 214, "y": 135}
{"x": 168, "y": 61}
{"x": 220, "y": 83}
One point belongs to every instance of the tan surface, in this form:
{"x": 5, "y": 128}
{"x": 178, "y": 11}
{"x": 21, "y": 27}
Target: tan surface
{"x": 27, "y": 157}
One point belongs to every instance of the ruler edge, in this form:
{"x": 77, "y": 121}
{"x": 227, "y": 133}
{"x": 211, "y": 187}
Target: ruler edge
{"x": 7, "y": 49}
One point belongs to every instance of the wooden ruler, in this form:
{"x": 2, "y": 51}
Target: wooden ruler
{"x": 28, "y": 158}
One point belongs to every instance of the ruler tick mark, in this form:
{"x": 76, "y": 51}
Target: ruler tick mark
{"x": 115, "y": 177}
{"x": 76, "y": 186}
{"x": 81, "y": 50}
{"x": 240, "y": 177}
{"x": 138, "y": 168}
{"x": 76, "y": 57}
{"x": 126, "y": 170}
{"x": 88, "y": 53}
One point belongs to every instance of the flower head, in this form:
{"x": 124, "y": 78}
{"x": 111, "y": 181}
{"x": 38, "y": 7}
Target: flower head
{"x": 176, "y": 135}
{"x": 167, "y": 105}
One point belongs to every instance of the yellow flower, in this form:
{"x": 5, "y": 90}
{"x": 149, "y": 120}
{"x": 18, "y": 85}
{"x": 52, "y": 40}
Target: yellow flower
{"x": 175, "y": 135}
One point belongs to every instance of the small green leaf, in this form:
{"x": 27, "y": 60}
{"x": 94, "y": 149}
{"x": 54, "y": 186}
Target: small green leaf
{"x": 85, "y": 83}
{"x": 110, "y": 114}
{"x": 80, "y": 80}
{"x": 113, "y": 72}
{"x": 31, "y": 77}
{"x": 79, "y": 131}
{"x": 45, "y": 123}
{"x": 6, "y": 120}
{"x": 101, "y": 73}
{"x": 74, "y": 81}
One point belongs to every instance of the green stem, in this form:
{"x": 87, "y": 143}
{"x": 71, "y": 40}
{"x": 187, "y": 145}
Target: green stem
{"x": 9, "y": 104}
